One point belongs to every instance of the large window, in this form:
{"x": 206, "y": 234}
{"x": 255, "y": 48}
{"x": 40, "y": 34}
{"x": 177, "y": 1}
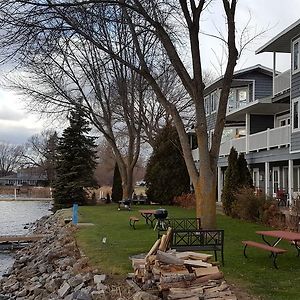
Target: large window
{"x": 295, "y": 56}
{"x": 238, "y": 97}
{"x": 207, "y": 105}
{"x": 295, "y": 114}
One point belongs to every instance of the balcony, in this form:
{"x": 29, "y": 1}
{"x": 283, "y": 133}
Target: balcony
{"x": 282, "y": 82}
{"x": 271, "y": 138}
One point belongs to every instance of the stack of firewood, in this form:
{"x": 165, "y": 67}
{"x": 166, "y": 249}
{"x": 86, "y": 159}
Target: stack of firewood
{"x": 180, "y": 275}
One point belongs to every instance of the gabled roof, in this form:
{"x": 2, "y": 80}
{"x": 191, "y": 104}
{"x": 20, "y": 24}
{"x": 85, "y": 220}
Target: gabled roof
{"x": 215, "y": 84}
{"x": 281, "y": 42}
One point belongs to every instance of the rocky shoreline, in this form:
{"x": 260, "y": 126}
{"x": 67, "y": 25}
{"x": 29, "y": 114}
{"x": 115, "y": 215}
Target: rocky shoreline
{"x": 54, "y": 268}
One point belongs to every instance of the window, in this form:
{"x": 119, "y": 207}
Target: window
{"x": 295, "y": 114}
{"x": 231, "y": 101}
{"x": 295, "y": 56}
{"x": 213, "y": 101}
{"x": 242, "y": 95}
{"x": 206, "y": 105}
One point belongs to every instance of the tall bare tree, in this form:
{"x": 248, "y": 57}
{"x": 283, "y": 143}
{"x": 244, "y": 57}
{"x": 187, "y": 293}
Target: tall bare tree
{"x": 10, "y": 158}
{"x": 36, "y": 22}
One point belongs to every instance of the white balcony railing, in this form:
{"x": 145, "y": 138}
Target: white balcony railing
{"x": 276, "y": 137}
{"x": 282, "y": 82}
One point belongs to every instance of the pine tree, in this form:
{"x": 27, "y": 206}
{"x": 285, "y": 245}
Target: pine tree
{"x": 231, "y": 182}
{"x": 76, "y": 161}
{"x": 245, "y": 178}
{"x": 166, "y": 173}
{"x": 117, "y": 191}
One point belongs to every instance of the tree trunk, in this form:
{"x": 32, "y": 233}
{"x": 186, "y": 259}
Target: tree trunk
{"x": 205, "y": 193}
{"x": 127, "y": 184}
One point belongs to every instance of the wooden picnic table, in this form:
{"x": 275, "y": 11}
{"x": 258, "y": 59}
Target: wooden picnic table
{"x": 290, "y": 236}
{"x": 148, "y": 215}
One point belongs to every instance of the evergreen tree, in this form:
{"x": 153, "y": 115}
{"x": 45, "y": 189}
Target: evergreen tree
{"x": 117, "y": 191}
{"x": 231, "y": 181}
{"x": 166, "y": 173}
{"x": 245, "y": 178}
{"x": 76, "y": 161}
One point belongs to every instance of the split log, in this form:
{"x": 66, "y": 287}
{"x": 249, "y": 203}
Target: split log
{"x": 206, "y": 271}
{"x": 197, "y": 263}
{"x": 177, "y": 293}
{"x": 168, "y": 258}
{"x": 154, "y": 248}
{"x": 193, "y": 255}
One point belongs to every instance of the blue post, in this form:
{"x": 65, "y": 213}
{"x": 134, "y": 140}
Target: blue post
{"x": 75, "y": 214}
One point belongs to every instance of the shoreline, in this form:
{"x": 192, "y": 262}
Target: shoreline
{"x": 55, "y": 268}
{"x": 25, "y": 199}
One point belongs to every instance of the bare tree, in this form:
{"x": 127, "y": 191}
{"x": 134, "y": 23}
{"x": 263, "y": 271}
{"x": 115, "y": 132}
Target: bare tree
{"x": 160, "y": 23}
{"x": 10, "y": 158}
{"x": 40, "y": 152}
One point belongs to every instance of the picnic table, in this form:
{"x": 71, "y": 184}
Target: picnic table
{"x": 148, "y": 215}
{"x": 293, "y": 237}
{"x": 279, "y": 235}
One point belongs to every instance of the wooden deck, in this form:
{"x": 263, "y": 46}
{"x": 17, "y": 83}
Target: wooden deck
{"x": 20, "y": 238}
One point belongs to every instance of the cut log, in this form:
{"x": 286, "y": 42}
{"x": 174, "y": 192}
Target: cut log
{"x": 169, "y": 236}
{"x": 162, "y": 246}
{"x": 168, "y": 258}
{"x": 173, "y": 277}
{"x": 197, "y": 263}
{"x": 187, "y": 284}
{"x": 193, "y": 255}
{"x": 138, "y": 262}
{"x": 177, "y": 293}
{"x": 206, "y": 271}
{"x": 154, "y": 248}
{"x": 205, "y": 278}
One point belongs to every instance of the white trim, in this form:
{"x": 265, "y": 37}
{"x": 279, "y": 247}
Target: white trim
{"x": 298, "y": 56}
{"x": 292, "y": 114}
{"x": 255, "y": 180}
{"x": 295, "y": 151}
{"x": 286, "y": 30}
{"x": 273, "y": 171}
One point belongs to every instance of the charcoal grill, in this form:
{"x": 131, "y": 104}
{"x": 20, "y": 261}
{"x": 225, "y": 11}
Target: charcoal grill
{"x": 160, "y": 215}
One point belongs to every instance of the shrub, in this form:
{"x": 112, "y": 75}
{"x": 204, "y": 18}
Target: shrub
{"x": 247, "y": 205}
{"x": 185, "y": 200}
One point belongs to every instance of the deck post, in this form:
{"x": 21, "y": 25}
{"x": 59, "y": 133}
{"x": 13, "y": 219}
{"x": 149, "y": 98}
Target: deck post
{"x": 290, "y": 181}
{"x": 219, "y": 184}
{"x": 267, "y": 181}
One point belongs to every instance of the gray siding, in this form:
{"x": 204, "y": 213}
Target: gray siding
{"x": 260, "y": 123}
{"x": 211, "y": 121}
{"x": 263, "y": 84}
{"x": 295, "y": 141}
{"x": 295, "y": 88}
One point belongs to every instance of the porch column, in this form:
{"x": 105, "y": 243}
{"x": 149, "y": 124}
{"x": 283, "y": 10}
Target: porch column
{"x": 267, "y": 177}
{"x": 220, "y": 187}
{"x": 274, "y": 71}
{"x": 290, "y": 181}
{"x": 247, "y": 132}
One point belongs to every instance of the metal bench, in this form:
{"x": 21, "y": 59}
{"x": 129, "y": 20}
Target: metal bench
{"x": 187, "y": 235}
{"x": 274, "y": 250}
{"x": 199, "y": 240}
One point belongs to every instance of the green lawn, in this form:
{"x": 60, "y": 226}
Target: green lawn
{"x": 255, "y": 274}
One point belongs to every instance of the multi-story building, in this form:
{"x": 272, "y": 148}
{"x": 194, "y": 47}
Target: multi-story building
{"x": 263, "y": 119}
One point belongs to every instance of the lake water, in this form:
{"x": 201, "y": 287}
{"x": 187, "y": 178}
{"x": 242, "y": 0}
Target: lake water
{"x": 14, "y": 215}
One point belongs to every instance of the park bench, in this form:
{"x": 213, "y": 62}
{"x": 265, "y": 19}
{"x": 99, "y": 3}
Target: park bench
{"x": 274, "y": 250}
{"x": 187, "y": 235}
{"x": 132, "y": 221}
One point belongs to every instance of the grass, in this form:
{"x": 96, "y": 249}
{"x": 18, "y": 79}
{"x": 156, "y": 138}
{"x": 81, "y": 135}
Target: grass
{"x": 256, "y": 274}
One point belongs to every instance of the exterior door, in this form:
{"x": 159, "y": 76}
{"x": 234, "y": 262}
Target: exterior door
{"x": 255, "y": 177}
{"x": 276, "y": 179}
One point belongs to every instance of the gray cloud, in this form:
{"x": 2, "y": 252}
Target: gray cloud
{"x": 16, "y": 135}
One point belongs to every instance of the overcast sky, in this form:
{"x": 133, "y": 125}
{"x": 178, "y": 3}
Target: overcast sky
{"x": 16, "y": 125}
